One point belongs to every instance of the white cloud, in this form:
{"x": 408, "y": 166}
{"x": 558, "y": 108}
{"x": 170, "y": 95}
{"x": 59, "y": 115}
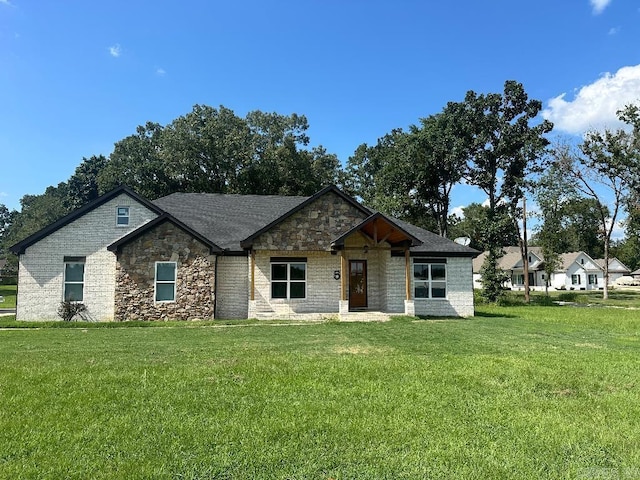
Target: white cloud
{"x": 115, "y": 50}
{"x": 614, "y": 30}
{"x": 599, "y": 5}
{"x": 6, "y": 2}
{"x": 594, "y": 106}
{"x": 161, "y": 72}
{"x": 486, "y": 203}
{"x": 457, "y": 211}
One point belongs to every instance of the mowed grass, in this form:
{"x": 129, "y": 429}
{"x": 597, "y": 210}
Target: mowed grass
{"x": 9, "y": 294}
{"x": 516, "y": 392}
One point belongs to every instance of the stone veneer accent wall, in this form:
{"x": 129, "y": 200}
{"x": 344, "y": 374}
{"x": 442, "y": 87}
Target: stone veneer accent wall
{"x": 314, "y": 227}
{"x": 135, "y": 277}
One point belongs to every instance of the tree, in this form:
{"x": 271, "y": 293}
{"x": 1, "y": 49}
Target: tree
{"x": 437, "y": 160}
{"x": 83, "y": 186}
{"x": 138, "y": 161}
{"x": 410, "y": 174}
{"x": 37, "y": 211}
{"x": 214, "y": 150}
{"x": 503, "y": 149}
{"x": 605, "y": 170}
{"x": 552, "y": 194}
{"x": 205, "y": 149}
{"x": 473, "y": 225}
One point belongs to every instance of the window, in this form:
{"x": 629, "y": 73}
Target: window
{"x": 429, "y": 278}
{"x": 517, "y": 279}
{"x": 74, "y": 279}
{"x": 122, "y": 216}
{"x": 289, "y": 278}
{"x": 593, "y": 279}
{"x": 165, "y": 281}
{"x": 575, "y": 279}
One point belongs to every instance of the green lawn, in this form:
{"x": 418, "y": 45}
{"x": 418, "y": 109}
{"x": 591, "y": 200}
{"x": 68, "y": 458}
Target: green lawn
{"x": 516, "y": 392}
{"x": 9, "y": 294}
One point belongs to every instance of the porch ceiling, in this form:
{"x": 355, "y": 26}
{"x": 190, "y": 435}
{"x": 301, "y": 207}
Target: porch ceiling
{"x": 379, "y": 229}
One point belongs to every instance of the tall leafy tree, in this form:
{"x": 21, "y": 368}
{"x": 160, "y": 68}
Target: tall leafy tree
{"x": 83, "y": 186}
{"x": 205, "y": 149}
{"x": 605, "y": 170}
{"x": 504, "y": 149}
{"x": 139, "y": 161}
{"x": 472, "y": 224}
{"x": 437, "y": 158}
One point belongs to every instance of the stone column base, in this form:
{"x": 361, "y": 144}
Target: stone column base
{"x": 252, "y": 309}
{"x": 343, "y": 306}
{"x": 410, "y": 308}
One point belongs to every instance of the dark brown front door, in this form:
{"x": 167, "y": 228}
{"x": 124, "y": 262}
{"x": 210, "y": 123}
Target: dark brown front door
{"x": 357, "y": 283}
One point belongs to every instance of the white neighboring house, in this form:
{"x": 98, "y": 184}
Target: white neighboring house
{"x": 511, "y": 263}
{"x": 617, "y": 269}
{"x": 577, "y": 271}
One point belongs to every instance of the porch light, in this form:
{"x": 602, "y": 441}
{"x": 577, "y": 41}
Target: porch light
{"x": 365, "y": 249}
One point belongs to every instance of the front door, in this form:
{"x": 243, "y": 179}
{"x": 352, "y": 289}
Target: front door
{"x": 357, "y": 284}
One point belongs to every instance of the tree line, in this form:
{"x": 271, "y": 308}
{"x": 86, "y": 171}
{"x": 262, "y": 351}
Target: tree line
{"x": 493, "y": 141}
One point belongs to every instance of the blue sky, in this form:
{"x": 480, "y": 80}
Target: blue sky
{"x": 76, "y": 76}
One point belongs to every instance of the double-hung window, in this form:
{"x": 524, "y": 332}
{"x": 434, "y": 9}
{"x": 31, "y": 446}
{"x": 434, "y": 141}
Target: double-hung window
{"x": 122, "y": 216}
{"x": 74, "y": 279}
{"x": 430, "y": 278}
{"x": 575, "y": 279}
{"x": 288, "y": 278}
{"x": 518, "y": 279}
{"x": 165, "y": 281}
{"x": 593, "y": 279}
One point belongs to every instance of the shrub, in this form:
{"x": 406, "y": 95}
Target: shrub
{"x": 69, "y": 310}
{"x": 568, "y": 297}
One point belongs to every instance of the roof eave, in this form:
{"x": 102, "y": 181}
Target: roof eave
{"x": 20, "y": 247}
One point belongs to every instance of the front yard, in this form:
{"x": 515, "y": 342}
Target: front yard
{"x": 516, "y": 392}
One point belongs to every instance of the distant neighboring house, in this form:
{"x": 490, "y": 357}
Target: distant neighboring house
{"x": 636, "y": 274}
{"x": 617, "y": 269}
{"x": 196, "y": 255}
{"x": 511, "y": 263}
{"x": 577, "y": 271}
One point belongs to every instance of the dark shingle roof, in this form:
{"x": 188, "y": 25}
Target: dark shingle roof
{"x": 227, "y": 219}
{"x": 433, "y": 244}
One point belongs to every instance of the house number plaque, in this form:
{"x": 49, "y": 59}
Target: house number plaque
{"x": 336, "y": 274}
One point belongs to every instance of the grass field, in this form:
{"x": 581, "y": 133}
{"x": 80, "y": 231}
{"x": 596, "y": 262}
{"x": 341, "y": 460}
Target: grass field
{"x": 9, "y": 294}
{"x": 516, "y": 392}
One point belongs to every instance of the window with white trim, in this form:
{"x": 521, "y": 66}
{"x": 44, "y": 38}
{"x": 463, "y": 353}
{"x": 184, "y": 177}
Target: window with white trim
{"x": 592, "y": 279}
{"x": 517, "y": 279}
{"x": 74, "y": 279}
{"x": 575, "y": 279}
{"x": 429, "y": 278}
{"x": 165, "y": 283}
{"x": 122, "y": 216}
{"x": 289, "y": 278}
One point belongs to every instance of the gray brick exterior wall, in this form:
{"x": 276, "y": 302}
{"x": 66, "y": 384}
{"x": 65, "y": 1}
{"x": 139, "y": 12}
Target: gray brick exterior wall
{"x": 41, "y": 271}
{"x": 233, "y": 287}
{"x": 459, "y": 301}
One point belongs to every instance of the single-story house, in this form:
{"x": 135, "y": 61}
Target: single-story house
{"x": 196, "y": 255}
{"x": 511, "y": 263}
{"x": 577, "y": 270}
